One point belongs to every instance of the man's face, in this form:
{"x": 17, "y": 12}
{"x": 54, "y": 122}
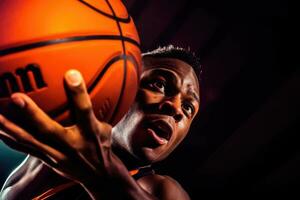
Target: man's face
{"x": 166, "y": 104}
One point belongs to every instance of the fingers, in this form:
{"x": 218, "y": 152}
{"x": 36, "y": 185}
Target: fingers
{"x": 35, "y": 117}
{"x": 18, "y": 139}
{"x": 105, "y": 137}
{"x": 21, "y": 140}
{"x": 37, "y": 124}
{"x": 11, "y": 142}
{"x": 80, "y": 101}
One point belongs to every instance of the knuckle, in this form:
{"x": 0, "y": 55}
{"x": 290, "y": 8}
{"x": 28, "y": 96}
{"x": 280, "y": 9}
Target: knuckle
{"x": 50, "y": 129}
{"x": 78, "y": 89}
{"x": 86, "y": 109}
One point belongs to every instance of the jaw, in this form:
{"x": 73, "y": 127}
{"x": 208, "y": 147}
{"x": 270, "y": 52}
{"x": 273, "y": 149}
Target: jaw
{"x": 151, "y": 155}
{"x": 147, "y": 155}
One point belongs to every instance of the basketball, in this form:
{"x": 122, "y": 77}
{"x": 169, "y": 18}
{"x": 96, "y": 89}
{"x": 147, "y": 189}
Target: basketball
{"x": 41, "y": 40}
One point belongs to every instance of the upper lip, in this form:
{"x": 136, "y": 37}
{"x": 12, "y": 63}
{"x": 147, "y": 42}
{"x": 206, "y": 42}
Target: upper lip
{"x": 162, "y": 128}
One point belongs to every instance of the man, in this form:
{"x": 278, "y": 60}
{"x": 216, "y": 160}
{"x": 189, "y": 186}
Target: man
{"x": 109, "y": 163}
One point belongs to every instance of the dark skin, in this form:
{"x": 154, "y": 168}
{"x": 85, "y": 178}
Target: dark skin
{"x": 98, "y": 156}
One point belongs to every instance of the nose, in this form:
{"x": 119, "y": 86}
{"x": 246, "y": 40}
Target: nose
{"x": 172, "y": 107}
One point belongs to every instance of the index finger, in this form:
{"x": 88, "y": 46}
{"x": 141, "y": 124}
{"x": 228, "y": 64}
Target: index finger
{"x": 80, "y": 101}
{"x": 35, "y": 117}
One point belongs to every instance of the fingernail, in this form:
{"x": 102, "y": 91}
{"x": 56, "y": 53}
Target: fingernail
{"x": 18, "y": 101}
{"x": 73, "y": 77}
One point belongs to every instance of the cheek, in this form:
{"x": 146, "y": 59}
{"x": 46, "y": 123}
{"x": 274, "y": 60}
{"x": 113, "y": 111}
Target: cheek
{"x": 148, "y": 97}
{"x": 182, "y": 131}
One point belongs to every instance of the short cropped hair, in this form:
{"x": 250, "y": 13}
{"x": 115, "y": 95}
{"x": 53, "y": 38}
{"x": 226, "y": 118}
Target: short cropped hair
{"x": 185, "y": 55}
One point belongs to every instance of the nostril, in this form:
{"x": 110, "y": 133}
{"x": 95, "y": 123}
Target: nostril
{"x": 167, "y": 108}
{"x": 178, "y": 117}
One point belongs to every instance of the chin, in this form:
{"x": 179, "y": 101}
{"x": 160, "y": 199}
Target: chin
{"x": 148, "y": 155}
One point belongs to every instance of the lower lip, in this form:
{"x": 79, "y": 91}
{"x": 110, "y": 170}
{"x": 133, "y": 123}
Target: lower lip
{"x": 158, "y": 139}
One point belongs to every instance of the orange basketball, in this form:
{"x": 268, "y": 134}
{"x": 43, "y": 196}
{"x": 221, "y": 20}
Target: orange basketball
{"x": 41, "y": 40}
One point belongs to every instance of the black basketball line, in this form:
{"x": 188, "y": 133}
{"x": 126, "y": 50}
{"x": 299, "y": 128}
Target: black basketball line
{"x": 25, "y": 47}
{"x": 131, "y": 58}
{"x": 125, "y": 64}
{"x": 101, "y": 74}
{"x": 61, "y": 109}
{"x": 124, "y": 20}
{"x": 124, "y": 57}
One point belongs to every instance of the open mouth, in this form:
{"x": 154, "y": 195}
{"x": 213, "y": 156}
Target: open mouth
{"x": 161, "y": 131}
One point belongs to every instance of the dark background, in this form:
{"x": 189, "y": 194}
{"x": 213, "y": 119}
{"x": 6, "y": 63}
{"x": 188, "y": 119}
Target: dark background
{"x": 245, "y": 138}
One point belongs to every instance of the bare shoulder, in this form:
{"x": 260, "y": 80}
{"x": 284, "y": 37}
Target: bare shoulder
{"x": 30, "y": 176}
{"x": 171, "y": 189}
{"x": 163, "y": 187}
{"x": 28, "y": 164}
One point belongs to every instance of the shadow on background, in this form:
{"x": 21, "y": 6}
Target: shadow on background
{"x": 245, "y": 138}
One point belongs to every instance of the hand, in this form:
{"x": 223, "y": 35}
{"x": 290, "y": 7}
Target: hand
{"x": 81, "y": 152}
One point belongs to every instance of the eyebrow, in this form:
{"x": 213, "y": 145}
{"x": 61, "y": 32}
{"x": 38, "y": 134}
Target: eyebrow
{"x": 170, "y": 75}
{"x": 194, "y": 95}
{"x": 166, "y": 73}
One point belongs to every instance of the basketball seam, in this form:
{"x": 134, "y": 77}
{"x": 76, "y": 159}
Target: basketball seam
{"x": 63, "y": 108}
{"x": 35, "y": 45}
{"x": 113, "y": 116}
{"x": 124, "y": 57}
{"x": 124, "y": 20}
{"x": 106, "y": 67}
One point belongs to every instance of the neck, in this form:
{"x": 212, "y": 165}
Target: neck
{"x": 130, "y": 161}
{"x": 120, "y": 147}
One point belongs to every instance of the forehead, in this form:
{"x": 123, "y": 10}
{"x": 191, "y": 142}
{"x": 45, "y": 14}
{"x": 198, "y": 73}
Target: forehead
{"x": 179, "y": 67}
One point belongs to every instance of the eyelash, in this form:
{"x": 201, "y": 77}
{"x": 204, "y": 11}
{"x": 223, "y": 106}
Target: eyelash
{"x": 153, "y": 84}
{"x": 191, "y": 106}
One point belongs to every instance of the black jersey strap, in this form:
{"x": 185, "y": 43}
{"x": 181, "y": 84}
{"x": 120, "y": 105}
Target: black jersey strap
{"x": 143, "y": 171}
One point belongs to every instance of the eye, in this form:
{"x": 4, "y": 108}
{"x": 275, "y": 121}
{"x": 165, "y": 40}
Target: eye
{"x": 158, "y": 85}
{"x": 188, "y": 108}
